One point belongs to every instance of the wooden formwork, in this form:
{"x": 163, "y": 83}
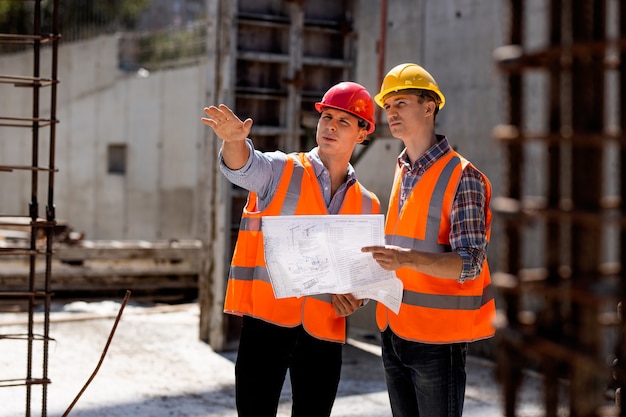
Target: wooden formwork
{"x": 155, "y": 270}
{"x": 270, "y": 60}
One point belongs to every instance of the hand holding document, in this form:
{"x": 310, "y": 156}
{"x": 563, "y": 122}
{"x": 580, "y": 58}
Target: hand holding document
{"x": 307, "y": 255}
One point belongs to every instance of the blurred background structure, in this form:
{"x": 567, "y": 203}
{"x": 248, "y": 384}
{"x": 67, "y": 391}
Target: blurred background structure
{"x": 104, "y": 127}
{"x": 564, "y": 315}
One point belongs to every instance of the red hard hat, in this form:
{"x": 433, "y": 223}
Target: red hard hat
{"x": 352, "y": 98}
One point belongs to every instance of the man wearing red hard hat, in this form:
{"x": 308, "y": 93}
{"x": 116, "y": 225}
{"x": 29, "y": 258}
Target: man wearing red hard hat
{"x": 301, "y": 334}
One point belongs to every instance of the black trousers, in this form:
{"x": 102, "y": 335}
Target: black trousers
{"x": 266, "y": 352}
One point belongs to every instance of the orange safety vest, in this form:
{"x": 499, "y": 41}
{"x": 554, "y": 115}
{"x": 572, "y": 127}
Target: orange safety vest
{"x": 436, "y": 310}
{"x": 249, "y": 291}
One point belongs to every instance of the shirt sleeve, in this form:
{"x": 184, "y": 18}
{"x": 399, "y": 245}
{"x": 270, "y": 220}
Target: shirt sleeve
{"x": 468, "y": 232}
{"x": 260, "y": 174}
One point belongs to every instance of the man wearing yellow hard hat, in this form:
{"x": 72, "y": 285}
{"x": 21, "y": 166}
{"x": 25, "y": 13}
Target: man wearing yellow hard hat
{"x": 436, "y": 233}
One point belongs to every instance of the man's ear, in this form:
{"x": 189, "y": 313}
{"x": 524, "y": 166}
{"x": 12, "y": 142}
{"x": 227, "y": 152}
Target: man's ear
{"x": 362, "y": 135}
{"x": 431, "y": 106}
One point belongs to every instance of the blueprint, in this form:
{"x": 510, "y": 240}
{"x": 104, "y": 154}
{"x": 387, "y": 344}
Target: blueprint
{"x": 308, "y": 255}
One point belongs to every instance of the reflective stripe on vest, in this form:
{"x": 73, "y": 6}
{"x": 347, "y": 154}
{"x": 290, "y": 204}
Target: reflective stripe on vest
{"x": 435, "y": 310}
{"x": 449, "y": 302}
{"x": 289, "y": 206}
{"x": 260, "y": 273}
{"x": 249, "y": 291}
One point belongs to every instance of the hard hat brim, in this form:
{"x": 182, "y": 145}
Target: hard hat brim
{"x": 371, "y": 126}
{"x": 380, "y": 97}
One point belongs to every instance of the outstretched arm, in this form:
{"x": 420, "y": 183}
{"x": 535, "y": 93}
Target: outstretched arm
{"x": 442, "y": 265}
{"x": 233, "y": 132}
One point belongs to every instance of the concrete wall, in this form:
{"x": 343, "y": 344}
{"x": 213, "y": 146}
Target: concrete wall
{"x": 157, "y": 118}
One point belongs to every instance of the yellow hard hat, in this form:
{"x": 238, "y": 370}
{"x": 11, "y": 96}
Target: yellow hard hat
{"x": 405, "y": 77}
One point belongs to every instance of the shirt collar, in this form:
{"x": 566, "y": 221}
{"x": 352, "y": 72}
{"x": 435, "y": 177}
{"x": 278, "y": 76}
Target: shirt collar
{"x": 319, "y": 167}
{"x": 439, "y": 149}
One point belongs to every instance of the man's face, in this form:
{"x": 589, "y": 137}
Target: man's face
{"x": 338, "y": 131}
{"x": 406, "y": 113}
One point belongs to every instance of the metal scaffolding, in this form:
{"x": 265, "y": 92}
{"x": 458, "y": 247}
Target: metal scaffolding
{"x": 563, "y": 317}
{"x": 36, "y": 293}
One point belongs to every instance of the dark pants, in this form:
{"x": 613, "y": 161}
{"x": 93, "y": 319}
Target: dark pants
{"x": 266, "y": 351}
{"x": 424, "y": 380}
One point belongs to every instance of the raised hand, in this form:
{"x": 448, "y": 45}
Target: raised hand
{"x": 226, "y": 124}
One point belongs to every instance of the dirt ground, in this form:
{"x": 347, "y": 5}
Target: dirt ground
{"x": 156, "y": 366}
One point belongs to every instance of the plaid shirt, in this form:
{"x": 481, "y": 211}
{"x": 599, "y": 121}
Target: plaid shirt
{"x": 468, "y": 230}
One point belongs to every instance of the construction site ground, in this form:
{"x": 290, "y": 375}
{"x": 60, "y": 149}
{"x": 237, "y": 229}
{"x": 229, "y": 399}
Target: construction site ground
{"x": 156, "y": 366}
